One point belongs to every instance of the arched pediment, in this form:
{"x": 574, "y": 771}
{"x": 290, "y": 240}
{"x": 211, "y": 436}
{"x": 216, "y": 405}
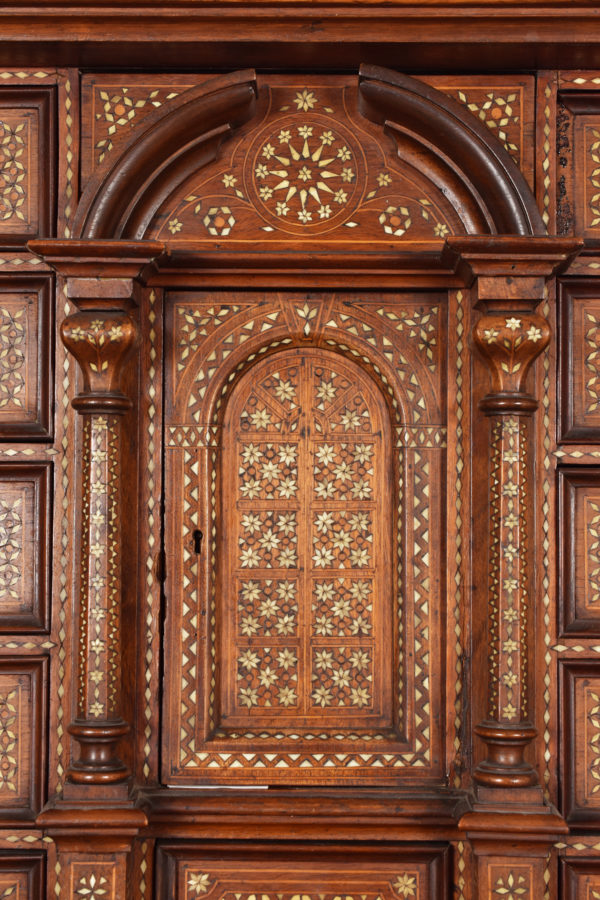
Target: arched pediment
{"x": 332, "y": 162}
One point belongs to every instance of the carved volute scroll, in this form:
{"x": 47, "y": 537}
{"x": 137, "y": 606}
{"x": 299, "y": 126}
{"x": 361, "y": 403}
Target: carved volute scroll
{"x": 101, "y": 336}
{"x": 509, "y": 277}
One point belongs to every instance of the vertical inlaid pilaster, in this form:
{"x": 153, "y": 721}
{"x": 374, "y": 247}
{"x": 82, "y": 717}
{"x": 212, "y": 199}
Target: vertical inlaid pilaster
{"x": 101, "y": 340}
{"x": 509, "y": 343}
{"x": 507, "y": 276}
{"x": 101, "y": 280}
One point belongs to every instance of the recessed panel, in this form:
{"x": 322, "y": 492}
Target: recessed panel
{"x": 26, "y": 372}
{"x": 21, "y": 876}
{"x": 27, "y": 164}
{"x": 579, "y": 362}
{"x": 579, "y": 574}
{"x": 25, "y": 535}
{"x": 580, "y": 879}
{"x": 276, "y": 873}
{"x": 22, "y": 721}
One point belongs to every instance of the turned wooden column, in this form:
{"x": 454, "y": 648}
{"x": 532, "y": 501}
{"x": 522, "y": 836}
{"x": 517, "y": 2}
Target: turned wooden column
{"x": 101, "y": 337}
{"x": 509, "y": 341}
{"x": 507, "y": 276}
{"x": 101, "y": 280}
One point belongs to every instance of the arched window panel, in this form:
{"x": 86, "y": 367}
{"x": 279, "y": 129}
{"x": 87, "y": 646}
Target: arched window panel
{"x": 306, "y": 445}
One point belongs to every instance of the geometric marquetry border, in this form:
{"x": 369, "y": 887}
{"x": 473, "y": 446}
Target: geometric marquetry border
{"x": 37, "y": 546}
{"x": 421, "y": 446}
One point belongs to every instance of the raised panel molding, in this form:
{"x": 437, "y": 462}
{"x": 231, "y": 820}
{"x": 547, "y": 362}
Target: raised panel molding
{"x": 25, "y": 546}
{"x": 22, "y": 876}
{"x": 580, "y": 879}
{"x": 22, "y": 724}
{"x": 26, "y": 359}
{"x": 579, "y": 551}
{"x": 579, "y": 361}
{"x": 580, "y": 742}
{"x": 27, "y": 163}
{"x": 401, "y": 872}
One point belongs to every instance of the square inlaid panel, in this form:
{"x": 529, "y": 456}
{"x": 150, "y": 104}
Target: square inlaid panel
{"x": 579, "y": 361}
{"x": 27, "y": 163}
{"x": 579, "y": 551}
{"x": 22, "y": 724}
{"x": 26, "y": 359}
{"x": 285, "y": 873}
{"x": 25, "y": 541}
{"x": 580, "y": 742}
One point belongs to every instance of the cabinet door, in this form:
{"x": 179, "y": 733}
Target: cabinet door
{"x": 304, "y": 538}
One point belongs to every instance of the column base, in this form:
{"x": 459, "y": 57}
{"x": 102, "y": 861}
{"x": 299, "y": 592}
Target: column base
{"x": 504, "y": 766}
{"x": 98, "y": 762}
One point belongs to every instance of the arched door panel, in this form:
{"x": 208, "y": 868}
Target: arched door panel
{"x": 305, "y": 556}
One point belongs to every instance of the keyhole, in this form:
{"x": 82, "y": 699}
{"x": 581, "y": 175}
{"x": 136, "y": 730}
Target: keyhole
{"x": 197, "y": 536}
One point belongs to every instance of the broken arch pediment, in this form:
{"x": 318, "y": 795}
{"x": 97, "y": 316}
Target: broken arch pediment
{"x": 323, "y": 161}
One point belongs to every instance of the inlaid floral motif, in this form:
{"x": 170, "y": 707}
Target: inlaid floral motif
{"x": 406, "y": 884}
{"x": 198, "y": 883}
{"x": 13, "y": 175}
{"x": 342, "y": 607}
{"x": 305, "y": 172}
{"x": 268, "y": 540}
{"x": 92, "y": 887}
{"x": 288, "y": 594}
{"x": 512, "y": 886}
{"x": 9, "y": 740}
{"x": 268, "y": 676}
{"x": 305, "y": 168}
{"x": 341, "y": 676}
{"x": 344, "y": 470}
{"x": 343, "y": 539}
{"x": 268, "y": 470}
{"x": 123, "y": 109}
{"x": 13, "y": 343}
{"x": 11, "y": 548}
{"x": 268, "y": 607}
{"x": 501, "y": 114}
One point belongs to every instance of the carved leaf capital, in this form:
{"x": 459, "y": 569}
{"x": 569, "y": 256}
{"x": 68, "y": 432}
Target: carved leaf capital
{"x": 101, "y": 342}
{"x": 510, "y": 343}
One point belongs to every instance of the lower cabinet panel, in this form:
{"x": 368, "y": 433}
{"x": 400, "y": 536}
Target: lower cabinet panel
{"x": 580, "y": 879}
{"x": 285, "y": 872}
{"x": 22, "y": 876}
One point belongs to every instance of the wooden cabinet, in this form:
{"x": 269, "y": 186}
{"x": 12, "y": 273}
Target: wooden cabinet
{"x": 299, "y": 455}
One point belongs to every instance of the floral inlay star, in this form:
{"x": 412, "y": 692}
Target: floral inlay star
{"x": 301, "y": 171}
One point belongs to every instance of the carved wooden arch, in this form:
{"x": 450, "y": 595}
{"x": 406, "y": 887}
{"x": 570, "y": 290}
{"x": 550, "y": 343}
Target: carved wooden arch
{"x": 462, "y": 149}
{"x": 120, "y": 200}
{"x": 464, "y": 160}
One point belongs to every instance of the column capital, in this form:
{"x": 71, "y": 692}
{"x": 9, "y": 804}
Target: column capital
{"x": 507, "y": 272}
